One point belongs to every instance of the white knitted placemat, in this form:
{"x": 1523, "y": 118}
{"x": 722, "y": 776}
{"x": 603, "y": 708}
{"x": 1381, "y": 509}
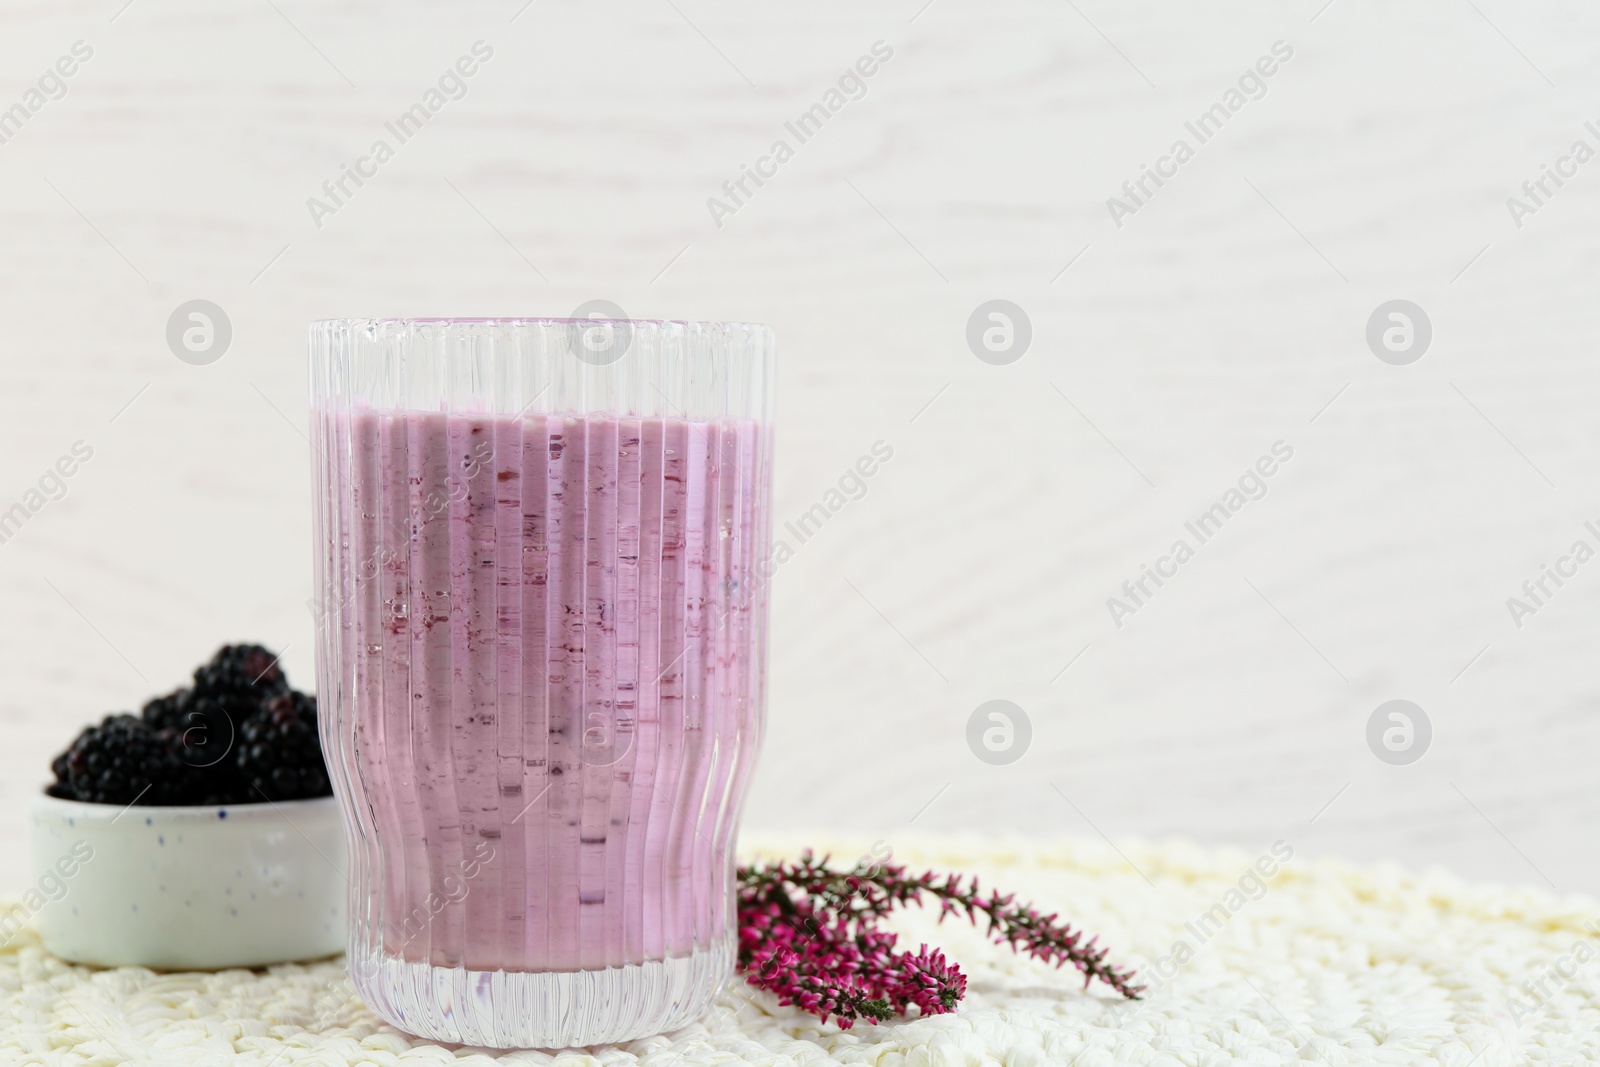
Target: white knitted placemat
{"x": 1322, "y": 962}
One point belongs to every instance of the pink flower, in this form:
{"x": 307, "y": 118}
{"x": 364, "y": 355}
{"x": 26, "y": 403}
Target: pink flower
{"x": 810, "y": 935}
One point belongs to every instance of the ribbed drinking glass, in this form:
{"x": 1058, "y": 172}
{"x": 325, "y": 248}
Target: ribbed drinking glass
{"x": 542, "y": 558}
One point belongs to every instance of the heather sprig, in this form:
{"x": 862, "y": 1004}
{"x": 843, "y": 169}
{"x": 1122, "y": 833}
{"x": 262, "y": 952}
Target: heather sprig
{"x": 809, "y": 934}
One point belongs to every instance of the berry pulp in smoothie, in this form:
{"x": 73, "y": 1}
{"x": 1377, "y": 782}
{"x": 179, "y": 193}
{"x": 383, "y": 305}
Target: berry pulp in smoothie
{"x": 555, "y": 627}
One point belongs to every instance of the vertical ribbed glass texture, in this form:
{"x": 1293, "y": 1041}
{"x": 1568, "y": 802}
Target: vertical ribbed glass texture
{"x": 542, "y": 552}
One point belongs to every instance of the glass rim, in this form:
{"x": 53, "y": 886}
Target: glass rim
{"x": 520, "y": 320}
{"x": 646, "y": 367}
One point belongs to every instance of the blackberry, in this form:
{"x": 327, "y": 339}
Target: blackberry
{"x": 239, "y": 732}
{"x": 245, "y": 672}
{"x": 123, "y": 761}
{"x": 62, "y": 786}
{"x": 278, "y": 751}
{"x": 215, "y": 785}
{"x": 166, "y": 713}
{"x": 201, "y": 729}
{"x": 203, "y": 732}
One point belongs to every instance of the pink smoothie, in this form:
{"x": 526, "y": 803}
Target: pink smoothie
{"x": 554, "y": 623}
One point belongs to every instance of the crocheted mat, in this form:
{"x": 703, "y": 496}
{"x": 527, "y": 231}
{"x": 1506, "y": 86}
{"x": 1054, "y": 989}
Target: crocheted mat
{"x": 1324, "y": 961}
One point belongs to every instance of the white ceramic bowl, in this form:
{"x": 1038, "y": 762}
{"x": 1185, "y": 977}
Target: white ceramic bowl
{"x": 195, "y": 888}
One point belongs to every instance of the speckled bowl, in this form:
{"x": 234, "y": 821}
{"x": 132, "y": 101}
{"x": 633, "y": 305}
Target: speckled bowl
{"x": 196, "y": 888}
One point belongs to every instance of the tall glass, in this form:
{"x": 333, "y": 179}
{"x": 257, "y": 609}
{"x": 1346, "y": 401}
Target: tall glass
{"x": 542, "y": 547}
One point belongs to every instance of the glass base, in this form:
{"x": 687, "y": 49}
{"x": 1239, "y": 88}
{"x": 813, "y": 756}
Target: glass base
{"x": 544, "y": 1009}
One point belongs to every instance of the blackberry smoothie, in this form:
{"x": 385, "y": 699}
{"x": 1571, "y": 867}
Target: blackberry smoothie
{"x": 546, "y": 633}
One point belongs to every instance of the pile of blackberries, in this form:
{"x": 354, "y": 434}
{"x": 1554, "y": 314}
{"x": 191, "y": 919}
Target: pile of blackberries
{"x": 238, "y": 735}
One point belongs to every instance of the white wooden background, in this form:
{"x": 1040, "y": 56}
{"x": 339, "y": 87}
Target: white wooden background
{"x": 1227, "y": 314}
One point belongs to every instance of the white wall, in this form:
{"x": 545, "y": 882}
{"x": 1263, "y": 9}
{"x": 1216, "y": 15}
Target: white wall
{"x": 1222, "y": 317}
